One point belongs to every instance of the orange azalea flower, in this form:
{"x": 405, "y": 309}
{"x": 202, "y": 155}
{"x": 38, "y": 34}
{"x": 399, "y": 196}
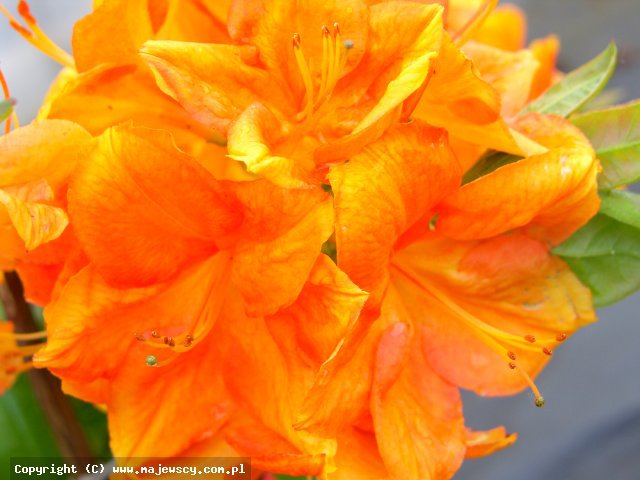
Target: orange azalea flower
{"x": 178, "y": 262}
{"x": 473, "y": 299}
{"x": 305, "y": 85}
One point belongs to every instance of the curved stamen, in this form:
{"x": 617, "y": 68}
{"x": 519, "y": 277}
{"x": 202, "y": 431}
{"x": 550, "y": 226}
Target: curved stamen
{"x": 33, "y": 34}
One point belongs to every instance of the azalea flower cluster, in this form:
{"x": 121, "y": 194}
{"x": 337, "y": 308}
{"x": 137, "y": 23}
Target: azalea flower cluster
{"x": 253, "y": 228}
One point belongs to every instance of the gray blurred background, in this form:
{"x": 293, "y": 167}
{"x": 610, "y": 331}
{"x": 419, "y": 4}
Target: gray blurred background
{"x": 590, "y": 428}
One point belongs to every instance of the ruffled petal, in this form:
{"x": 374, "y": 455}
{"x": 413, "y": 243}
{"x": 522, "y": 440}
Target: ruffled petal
{"x": 279, "y": 242}
{"x": 395, "y": 66}
{"x": 372, "y": 211}
{"x": 457, "y": 99}
{"x": 510, "y": 73}
{"x": 34, "y": 221}
{"x": 553, "y": 194}
{"x": 214, "y": 83}
{"x": 143, "y": 210}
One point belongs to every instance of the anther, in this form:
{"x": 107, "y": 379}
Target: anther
{"x": 296, "y": 40}
{"x": 561, "y": 337}
{"x": 530, "y": 338}
{"x": 547, "y": 351}
{"x": 539, "y": 402}
{"x": 151, "y": 360}
{"x": 511, "y": 355}
{"x": 325, "y": 31}
{"x": 336, "y": 28}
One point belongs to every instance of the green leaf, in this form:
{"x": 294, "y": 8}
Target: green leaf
{"x": 615, "y": 136}
{"x": 487, "y": 164}
{"x": 6, "y": 107}
{"x": 578, "y": 87}
{"x": 605, "y": 255}
{"x": 25, "y": 431}
{"x": 621, "y": 206}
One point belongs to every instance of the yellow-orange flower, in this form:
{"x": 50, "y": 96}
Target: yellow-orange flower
{"x": 464, "y": 290}
{"x": 306, "y": 84}
{"x": 178, "y": 261}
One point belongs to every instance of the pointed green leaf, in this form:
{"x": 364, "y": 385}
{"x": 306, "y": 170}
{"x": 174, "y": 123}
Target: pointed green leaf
{"x": 578, "y": 87}
{"x": 605, "y": 255}
{"x": 615, "y": 136}
{"x": 621, "y": 206}
{"x": 6, "y": 107}
{"x": 488, "y": 163}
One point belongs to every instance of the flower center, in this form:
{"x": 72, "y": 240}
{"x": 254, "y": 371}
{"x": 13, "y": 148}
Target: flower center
{"x": 501, "y": 342}
{"x": 334, "y": 56}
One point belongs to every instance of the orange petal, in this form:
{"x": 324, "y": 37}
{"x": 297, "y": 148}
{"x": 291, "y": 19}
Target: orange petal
{"x": 314, "y": 325}
{"x": 35, "y": 221}
{"x": 505, "y": 28}
{"x": 417, "y": 415}
{"x": 270, "y": 451}
{"x": 373, "y": 211}
{"x": 469, "y": 295}
{"x": 192, "y": 20}
{"x": 554, "y": 192}
{"x": 103, "y": 97}
{"x": 457, "y": 99}
{"x": 32, "y": 153}
{"x": 143, "y": 210}
{"x": 257, "y": 137}
{"x": 214, "y": 83}
{"x": 510, "y": 73}
{"x": 546, "y": 52}
{"x": 266, "y": 357}
{"x": 272, "y": 262}
{"x": 91, "y": 346}
{"x": 394, "y": 66}
{"x": 483, "y": 443}
{"x": 33, "y": 184}
{"x": 111, "y": 34}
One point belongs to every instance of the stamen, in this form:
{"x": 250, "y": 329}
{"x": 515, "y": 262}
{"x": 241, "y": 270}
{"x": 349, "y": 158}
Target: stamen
{"x": 333, "y": 61}
{"x": 33, "y": 34}
{"x": 493, "y": 337}
{"x": 306, "y": 76}
{"x": 539, "y": 402}
{"x": 41, "y": 335}
{"x": 15, "y": 358}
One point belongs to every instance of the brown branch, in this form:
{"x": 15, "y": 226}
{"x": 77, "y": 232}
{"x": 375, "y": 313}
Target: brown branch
{"x": 68, "y": 433}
